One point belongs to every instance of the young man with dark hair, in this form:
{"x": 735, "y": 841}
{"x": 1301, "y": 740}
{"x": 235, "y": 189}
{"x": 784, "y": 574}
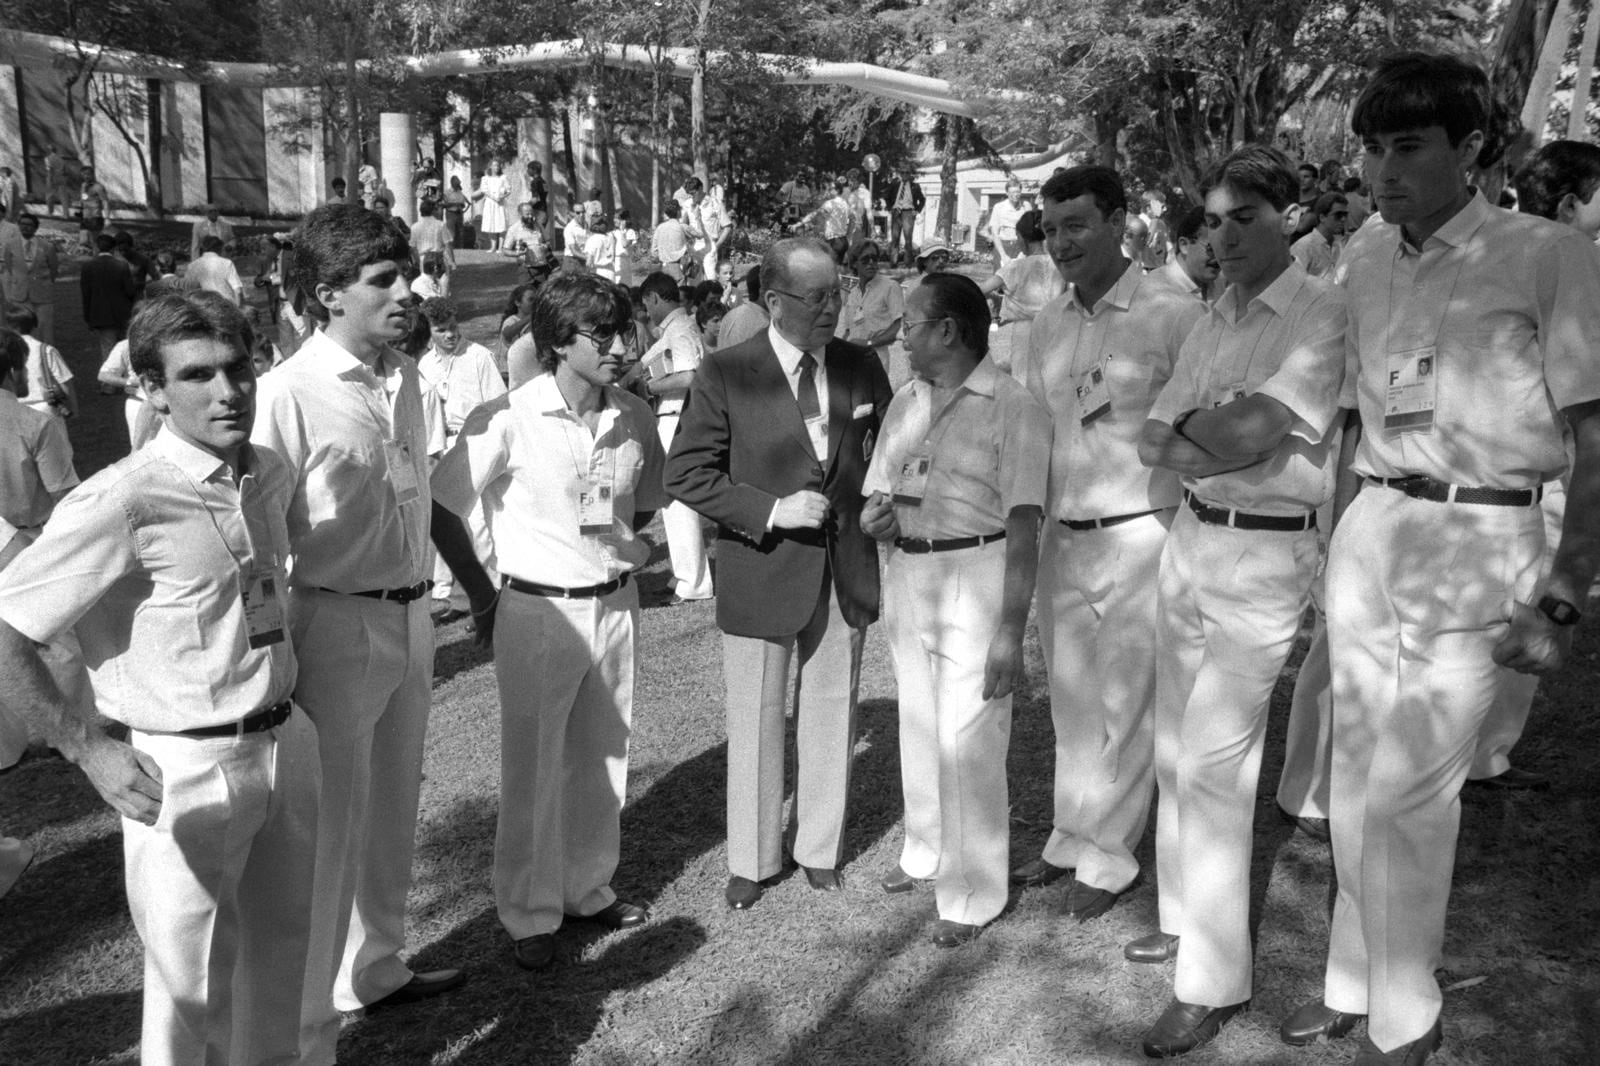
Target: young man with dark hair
{"x": 169, "y": 567}
{"x": 1559, "y": 182}
{"x": 106, "y": 286}
{"x": 1318, "y": 251}
{"x": 1098, "y": 357}
{"x": 671, "y": 363}
{"x": 569, "y": 470}
{"x": 1472, "y": 339}
{"x": 346, "y": 413}
{"x": 1250, "y": 422}
{"x": 1193, "y": 268}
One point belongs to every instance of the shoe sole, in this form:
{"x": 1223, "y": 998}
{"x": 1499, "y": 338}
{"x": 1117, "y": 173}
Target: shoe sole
{"x": 1326, "y": 1034}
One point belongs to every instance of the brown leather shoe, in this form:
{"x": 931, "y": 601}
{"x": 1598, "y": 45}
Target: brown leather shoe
{"x": 1038, "y": 872}
{"x": 1183, "y": 1027}
{"x": 1157, "y": 947}
{"x": 1412, "y": 1054}
{"x": 1315, "y": 1022}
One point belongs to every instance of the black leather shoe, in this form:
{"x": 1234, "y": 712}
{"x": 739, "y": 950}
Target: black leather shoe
{"x": 1183, "y": 1027}
{"x": 899, "y": 881}
{"x": 742, "y": 893}
{"x": 421, "y": 986}
{"x": 618, "y": 915}
{"x": 1157, "y": 947}
{"x": 823, "y": 880}
{"x": 1315, "y": 1022}
{"x": 1513, "y": 780}
{"x": 1038, "y": 872}
{"x": 1412, "y": 1054}
{"x": 535, "y": 952}
{"x": 1085, "y": 902}
{"x": 948, "y": 934}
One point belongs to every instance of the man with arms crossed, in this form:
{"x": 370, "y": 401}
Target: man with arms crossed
{"x": 1473, "y": 334}
{"x": 346, "y": 413}
{"x": 772, "y": 446}
{"x": 1100, "y": 354}
{"x": 170, "y": 566}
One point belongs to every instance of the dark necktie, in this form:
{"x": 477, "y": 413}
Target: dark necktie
{"x": 809, "y": 408}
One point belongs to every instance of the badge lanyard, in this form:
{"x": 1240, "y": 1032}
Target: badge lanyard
{"x": 1089, "y": 388}
{"x": 596, "y": 493}
{"x": 911, "y": 480}
{"x": 1236, "y": 389}
{"x": 261, "y": 583}
{"x": 1411, "y": 385}
{"x": 397, "y": 454}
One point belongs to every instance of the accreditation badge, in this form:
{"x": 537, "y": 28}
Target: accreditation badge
{"x": 1094, "y": 396}
{"x": 262, "y": 591}
{"x": 402, "y": 470}
{"x": 1413, "y": 390}
{"x": 1228, "y": 394}
{"x": 596, "y": 508}
{"x": 911, "y": 482}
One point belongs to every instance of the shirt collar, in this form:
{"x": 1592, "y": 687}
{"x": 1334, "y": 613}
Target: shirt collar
{"x": 1459, "y": 228}
{"x": 1278, "y": 297}
{"x": 1120, "y": 295}
{"x": 342, "y": 362}
{"x": 195, "y": 461}
{"x": 547, "y": 398}
{"x": 788, "y": 355}
{"x": 1180, "y": 277}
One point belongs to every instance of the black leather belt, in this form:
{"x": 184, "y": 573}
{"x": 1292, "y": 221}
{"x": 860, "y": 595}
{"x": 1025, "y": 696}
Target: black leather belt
{"x": 920, "y": 546}
{"x": 1423, "y": 487}
{"x": 405, "y": 595}
{"x": 1223, "y": 516}
{"x": 1080, "y": 524}
{"x": 588, "y": 592}
{"x": 263, "y": 720}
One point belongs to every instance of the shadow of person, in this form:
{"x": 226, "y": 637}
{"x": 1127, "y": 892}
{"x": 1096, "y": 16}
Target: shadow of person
{"x": 86, "y": 1029}
{"x": 876, "y": 802}
{"x": 506, "y": 1015}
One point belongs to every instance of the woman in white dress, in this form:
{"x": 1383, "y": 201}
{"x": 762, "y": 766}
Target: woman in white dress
{"x": 492, "y": 191}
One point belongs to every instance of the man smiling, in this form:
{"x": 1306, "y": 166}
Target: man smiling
{"x": 1249, "y": 423}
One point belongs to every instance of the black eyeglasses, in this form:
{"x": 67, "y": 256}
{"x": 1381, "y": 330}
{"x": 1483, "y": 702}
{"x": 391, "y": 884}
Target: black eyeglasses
{"x": 814, "y": 301}
{"x": 603, "y": 342}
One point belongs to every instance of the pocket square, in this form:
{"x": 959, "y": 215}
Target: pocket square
{"x": 862, "y": 410}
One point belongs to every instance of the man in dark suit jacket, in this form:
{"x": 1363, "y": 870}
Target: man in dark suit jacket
{"x": 107, "y": 287}
{"x": 904, "y": 201}
{"x": 773, "y": 445}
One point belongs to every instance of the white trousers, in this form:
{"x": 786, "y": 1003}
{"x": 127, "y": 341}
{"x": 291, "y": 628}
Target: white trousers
{"x": 1418, "y": 595}
{"x": 940, "y": 612}
{"x": 365, "y": 670}
{"x": 565, "y": 669}
{"x": 1230, "y": 605}
{"x": 220, "y": 891}
{"x": 827, "y": 682}
{"x": 1097, "y": 612}
{"x": 1308, "y": 744}
{"x": 686, "y": 544}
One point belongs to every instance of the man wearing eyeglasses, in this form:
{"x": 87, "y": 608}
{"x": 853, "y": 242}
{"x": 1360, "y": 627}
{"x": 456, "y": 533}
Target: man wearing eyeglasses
{"x": 773, "y": 445}
{"x": 1318, "y": 251}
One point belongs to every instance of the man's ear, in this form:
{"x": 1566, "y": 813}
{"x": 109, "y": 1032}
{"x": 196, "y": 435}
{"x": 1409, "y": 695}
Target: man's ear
{"x": 1291, "y": 219}
{"x": 327, "y": 296}
{"x": 1567, "y": 209}
{"x": 156, "y": 394}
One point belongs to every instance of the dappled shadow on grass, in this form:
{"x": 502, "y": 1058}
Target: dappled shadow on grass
{"x": 504, "y": 1014}
{"x": 876, "y": 799}
{"x": 80, "y": 1030}
{"x": 461, "y": 654}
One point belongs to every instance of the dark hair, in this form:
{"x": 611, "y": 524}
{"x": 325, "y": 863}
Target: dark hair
{"x": 706, "y": 291}
{"x": 1327, "y": 202}
{"x": 693, "y": 184}
{"x": 335, "y": 242}
{"x": 439, "y": 310}
{"x": 166, "y": 263}
{"x": 570, "y": 302}
{"x": 662, "y": 285}
{"x": 1190, "y": 226}
{"x": 338, "y": 183}
{"x": 210, "y": 243}
{"x": 425, "y": 208}
{"x": 14, "y": 360}
{"x": 752, "y": 283}
{"x": 706, "y": 310}
{"x": 123, "y": 238}
{"x": 164, "y": 320}
{"x": 516, "y": 298}
{"x": 775, "y": 264}
{"x": 1414, "y": 90}
{"x": 432, "y": 263}
{"x": 1103, "y": 183}
{"x": 1028, "y": 227}
{"x": 22, "y": 318}
{"x": 861, "y": 246}
{"x": 419, "y": 334}
{"x": 1259, "y": 169}
{"x": 672, "y": 209}
{"x": 958, "y": 298}
{"x": 1352, "y": 185}
{"x": 1308, "y": 168}
{"x": 1556, "y": 169}
{"x": 104, "y": 242}
{"x": 28, "y": 216}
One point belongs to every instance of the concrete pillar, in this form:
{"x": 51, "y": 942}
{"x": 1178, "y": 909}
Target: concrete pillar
{"x": 397, "y": 146}
{"x": 295, "y": 164}
{"x": 11, "y": 125}
{"x": 184, "y": 131}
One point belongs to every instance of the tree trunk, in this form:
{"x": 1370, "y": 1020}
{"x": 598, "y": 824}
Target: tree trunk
{"x": 569, "y": 164}
{"x": 352, "y": 116}
{"x": 602, "y": 149}
{"x": 1107, "y": 124}
{"x": 655, "y": 138}
{"x": 697, "y": 97}
{"x": 954, "y": 137}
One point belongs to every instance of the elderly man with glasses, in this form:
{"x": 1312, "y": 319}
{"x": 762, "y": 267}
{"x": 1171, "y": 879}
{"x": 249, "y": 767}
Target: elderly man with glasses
{"x": 773, "y": 445}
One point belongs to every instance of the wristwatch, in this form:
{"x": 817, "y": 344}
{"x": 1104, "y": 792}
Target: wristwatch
{"x": 1559, "y": 611}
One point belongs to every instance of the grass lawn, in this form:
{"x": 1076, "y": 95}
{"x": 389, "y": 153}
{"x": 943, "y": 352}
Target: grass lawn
{"x": 807, "y": 977}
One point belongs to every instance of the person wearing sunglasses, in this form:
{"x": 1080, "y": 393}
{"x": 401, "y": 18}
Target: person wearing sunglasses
{"x": 568, "y": 468}
{"x": 1318, "y": 251}
{"x": 772, "y": 445}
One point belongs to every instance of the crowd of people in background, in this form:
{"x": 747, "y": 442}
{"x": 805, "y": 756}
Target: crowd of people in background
{"x": 1139, "y": 429}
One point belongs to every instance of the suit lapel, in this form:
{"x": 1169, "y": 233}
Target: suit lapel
{"x": 767, "y": 381}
